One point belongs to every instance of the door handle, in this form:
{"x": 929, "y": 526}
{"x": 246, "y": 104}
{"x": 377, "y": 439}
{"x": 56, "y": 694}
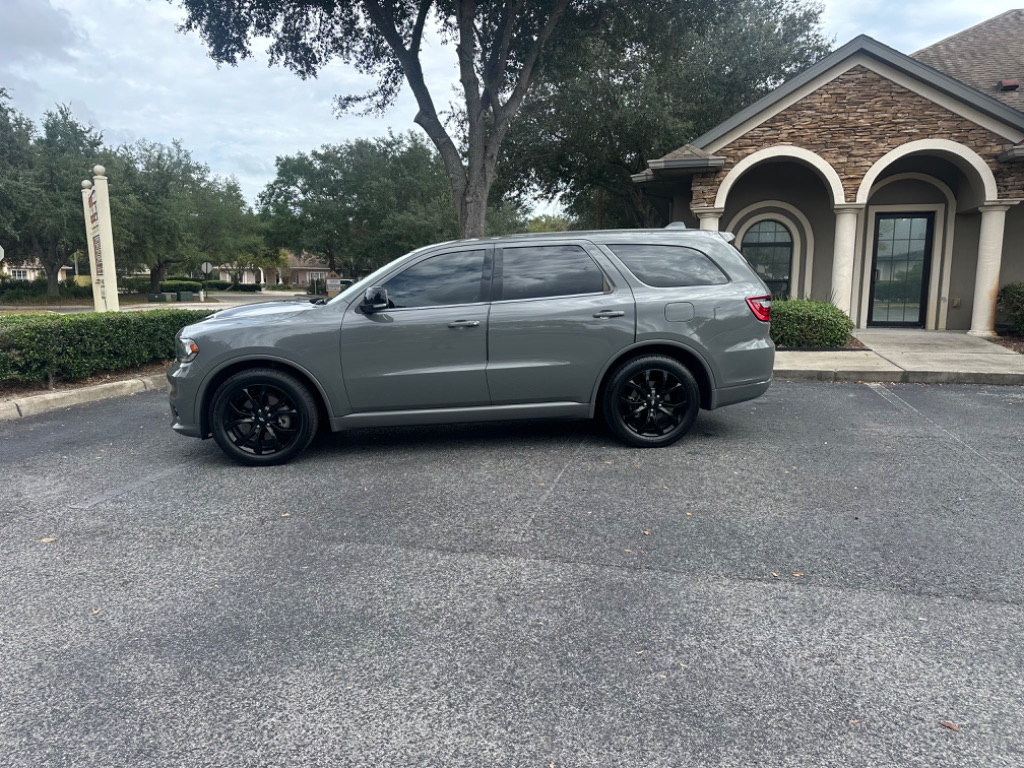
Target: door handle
{"x": 464, "y": 324}
{"x": 606, "y": 314}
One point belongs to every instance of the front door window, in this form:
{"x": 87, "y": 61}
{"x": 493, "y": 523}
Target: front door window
{"x": 899, "y": 282}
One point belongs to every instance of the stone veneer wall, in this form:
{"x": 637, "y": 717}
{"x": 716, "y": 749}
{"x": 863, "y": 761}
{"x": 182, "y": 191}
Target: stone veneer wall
{"x": 854, "y": 120}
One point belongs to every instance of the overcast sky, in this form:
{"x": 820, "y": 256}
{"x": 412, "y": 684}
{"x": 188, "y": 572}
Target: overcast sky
{"x": 122, "y": 66}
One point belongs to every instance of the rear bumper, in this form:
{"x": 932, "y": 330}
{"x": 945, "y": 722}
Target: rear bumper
{"x": 732, "y": 395}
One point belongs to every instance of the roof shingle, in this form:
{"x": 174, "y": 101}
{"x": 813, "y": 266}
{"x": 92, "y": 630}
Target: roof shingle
{"x": 983, "y": 55}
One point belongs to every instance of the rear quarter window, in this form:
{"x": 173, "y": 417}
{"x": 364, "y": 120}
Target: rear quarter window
{"x": 669, "y": 266}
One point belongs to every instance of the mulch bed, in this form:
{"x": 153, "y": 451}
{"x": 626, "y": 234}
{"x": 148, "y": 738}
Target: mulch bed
{"x": 853, "y": 345}
{"x": 1016, "y": 343}
{"x": 13, "y": 391}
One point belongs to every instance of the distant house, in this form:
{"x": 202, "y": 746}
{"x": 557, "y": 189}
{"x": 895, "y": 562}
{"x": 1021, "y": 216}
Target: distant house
{"x": 888, "y": 184}
{"x": 32, "y": 271}
{"x": 301, "y": 270}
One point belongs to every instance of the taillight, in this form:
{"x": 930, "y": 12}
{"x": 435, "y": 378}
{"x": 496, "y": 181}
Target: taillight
{"x": 761, "y": 306}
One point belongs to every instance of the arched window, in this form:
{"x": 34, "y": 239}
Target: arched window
{"x": 768, "y": 246}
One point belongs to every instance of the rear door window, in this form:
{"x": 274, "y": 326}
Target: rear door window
{"x": 538, "y": 271}
{"x": 669, "y": 266}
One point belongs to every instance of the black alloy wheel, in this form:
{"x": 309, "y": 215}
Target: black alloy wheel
{"x": 263, "y": 416}
{"x": 651, "y": 401}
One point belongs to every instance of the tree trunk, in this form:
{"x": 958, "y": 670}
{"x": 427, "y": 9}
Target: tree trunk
{"x": 156, "y": 276}
{"x": 473, "y": 209}
{"x": 52, "y": 279}
{"x": 52, "y": 265}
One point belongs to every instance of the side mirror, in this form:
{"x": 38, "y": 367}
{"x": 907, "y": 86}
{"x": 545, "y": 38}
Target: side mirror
{"x": 374, "y": 300}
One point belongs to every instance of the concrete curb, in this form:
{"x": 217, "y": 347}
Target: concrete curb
{"x": 52, "y": 401}
{"x": 903, "y": 377}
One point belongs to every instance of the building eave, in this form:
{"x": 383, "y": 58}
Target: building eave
{"x": 695, "y": 164}
{"x": 1013, "y": 155}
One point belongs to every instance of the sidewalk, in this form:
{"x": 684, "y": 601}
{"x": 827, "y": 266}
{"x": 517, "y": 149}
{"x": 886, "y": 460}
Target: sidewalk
{"x": 908, "y": 356}
{"x": 897, "y": 356}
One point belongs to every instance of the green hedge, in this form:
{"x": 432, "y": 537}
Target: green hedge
{"x": 38, "y": 348}
{"x": 133, "y": 284}
{"x": 246, "y": 287}
{"x": 805, "y": 323}
{"x": 217, "y": 285}
{"x": 1011, "y": 303}
{"x": 173, "y": 286}
{"x": 34, "y": 291}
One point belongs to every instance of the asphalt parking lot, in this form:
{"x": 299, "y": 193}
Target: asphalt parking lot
{"x": 830, "y": 575}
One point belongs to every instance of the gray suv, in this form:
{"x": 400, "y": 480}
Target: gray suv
{"x": 643, "y": 326}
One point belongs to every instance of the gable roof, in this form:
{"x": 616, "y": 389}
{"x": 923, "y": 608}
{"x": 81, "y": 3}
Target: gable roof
{"x": 983, "y": 55}
{"x": 868, "y": 46}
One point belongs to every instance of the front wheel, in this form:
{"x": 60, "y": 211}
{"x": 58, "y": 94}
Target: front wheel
{"x": 651, "y": 401}
{"x": 262, "y": 417}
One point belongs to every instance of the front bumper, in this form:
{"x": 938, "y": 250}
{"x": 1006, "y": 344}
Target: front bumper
{"x": 184, "y": 380}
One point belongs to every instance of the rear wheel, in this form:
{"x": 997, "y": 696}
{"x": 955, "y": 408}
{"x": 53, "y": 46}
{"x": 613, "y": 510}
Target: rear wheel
{"x": 262, "y": 417}
{"x": 651, "y": 401}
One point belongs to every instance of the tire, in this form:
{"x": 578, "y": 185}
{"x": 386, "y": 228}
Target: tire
{"x": 651, "y": 401}
{"x": 262, "y": 417}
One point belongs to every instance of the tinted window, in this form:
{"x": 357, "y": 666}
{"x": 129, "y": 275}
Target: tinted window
{"x": 549, "y": 270}
{"x": 449, "y": 278}
{"x": 669, "y": 266}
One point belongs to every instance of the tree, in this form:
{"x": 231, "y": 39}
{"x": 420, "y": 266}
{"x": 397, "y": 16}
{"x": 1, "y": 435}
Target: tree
{"x": 40, "y": 175}
{"x": 652, "y": 78}
{"x": 359, "y": 204}
{"x": 159, "y": 191}
{"x": 17, "y": 134}
{"x": 499, "y": 46}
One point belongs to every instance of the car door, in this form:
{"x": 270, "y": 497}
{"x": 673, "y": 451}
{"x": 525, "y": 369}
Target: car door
{"x": 561, "y": 312}
{"x": 428, "y": 348}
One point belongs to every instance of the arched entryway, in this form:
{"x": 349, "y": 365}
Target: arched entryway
{"x": 929, "y": 252}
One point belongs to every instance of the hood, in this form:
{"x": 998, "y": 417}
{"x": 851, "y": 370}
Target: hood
{"x": 265, "y": 311}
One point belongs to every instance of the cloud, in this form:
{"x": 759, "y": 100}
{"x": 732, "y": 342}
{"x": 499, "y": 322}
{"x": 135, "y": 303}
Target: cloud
{"x": 34, "y": 31}
{"x": 907, "y": 26}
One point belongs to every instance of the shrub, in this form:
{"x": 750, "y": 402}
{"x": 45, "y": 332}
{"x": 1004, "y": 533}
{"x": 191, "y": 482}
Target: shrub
{"x": 805, "y": 323}
{"x": 36, "y": 348}
{"x": 173, "y": 286}
{"x": 279, "y": 287}
{"x": 217, "y": 285}
{"x": 35, "y": 291}
{"x": 246, "y": 287}
{"x": 133, "y": 284}
{"x": 1011, "y": 303}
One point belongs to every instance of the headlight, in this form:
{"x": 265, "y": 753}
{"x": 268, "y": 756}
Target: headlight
{"x": 187, "y": 350}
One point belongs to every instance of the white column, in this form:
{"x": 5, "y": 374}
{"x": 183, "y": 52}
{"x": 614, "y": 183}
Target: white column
{"x": 709, "y": 217}
{"x": 845, "y": 249}
{"x": 106, "y": 266}
{"x": 986, "y": 278}
{"x": 87, "y": 207}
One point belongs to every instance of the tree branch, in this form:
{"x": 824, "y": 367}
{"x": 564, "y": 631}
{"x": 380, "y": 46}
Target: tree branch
{"x": 494, "y": 73}
{"x": 504, "y": 115}
{"x": 410, "y": 62}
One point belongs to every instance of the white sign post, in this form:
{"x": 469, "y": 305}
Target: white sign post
{"x": 100, "y": 234}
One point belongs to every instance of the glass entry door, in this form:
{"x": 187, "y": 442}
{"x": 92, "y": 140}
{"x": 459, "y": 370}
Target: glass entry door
{"x": 899, "y": 278}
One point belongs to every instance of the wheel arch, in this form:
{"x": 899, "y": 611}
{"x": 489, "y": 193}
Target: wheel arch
{"x": 237, "y": 366}
{"x": 690, "y": 359}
